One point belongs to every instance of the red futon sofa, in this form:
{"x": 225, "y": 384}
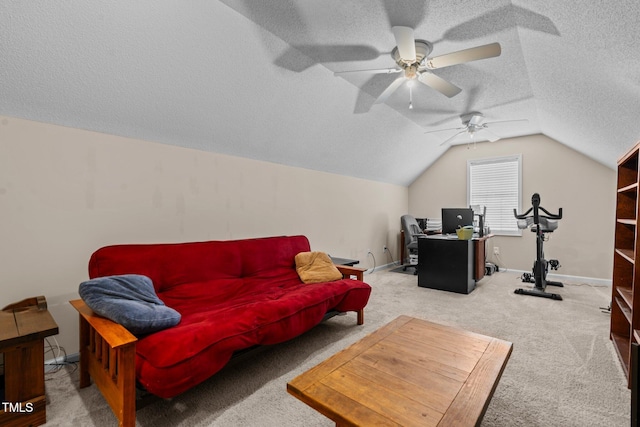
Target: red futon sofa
{"x": 231, "y": 295}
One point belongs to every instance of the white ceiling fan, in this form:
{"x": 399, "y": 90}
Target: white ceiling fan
{"x": 475, "y": 126}
{"x": 411, "y": 58}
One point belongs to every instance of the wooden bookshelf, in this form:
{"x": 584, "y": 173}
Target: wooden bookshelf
{"x": 625, "y": 298}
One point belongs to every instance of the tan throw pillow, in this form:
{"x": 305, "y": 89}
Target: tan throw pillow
{"x": 316, "y": 267}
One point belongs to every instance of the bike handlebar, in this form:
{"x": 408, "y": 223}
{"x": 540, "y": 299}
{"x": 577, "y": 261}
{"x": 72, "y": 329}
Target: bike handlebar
{"x": 535, "y": 201}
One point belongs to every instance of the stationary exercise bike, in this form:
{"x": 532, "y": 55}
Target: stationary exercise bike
{"x": 540, "y": 224}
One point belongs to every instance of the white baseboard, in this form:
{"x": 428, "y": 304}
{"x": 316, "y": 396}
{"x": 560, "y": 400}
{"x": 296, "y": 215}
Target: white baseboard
{"x": 558, "y": 277}
{"x": 69, "y": 358}
{"x": 567, "y": 278}
{"x": 381, "y": 267}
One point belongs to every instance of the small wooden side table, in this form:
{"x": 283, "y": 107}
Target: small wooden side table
{"x": 344, "y": 261}
{"x": 23, "y": 327}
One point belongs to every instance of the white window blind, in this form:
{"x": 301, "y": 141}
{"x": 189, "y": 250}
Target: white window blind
{"x": 495, "y": 183}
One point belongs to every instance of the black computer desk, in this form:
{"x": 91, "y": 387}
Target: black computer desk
{"x": 450, "y": 264}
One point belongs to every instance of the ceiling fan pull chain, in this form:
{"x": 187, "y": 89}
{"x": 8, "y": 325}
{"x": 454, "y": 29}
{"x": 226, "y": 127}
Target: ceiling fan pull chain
{"x": 410, "y": 97}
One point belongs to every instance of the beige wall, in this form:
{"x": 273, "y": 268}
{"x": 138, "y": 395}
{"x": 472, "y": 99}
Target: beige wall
{"x": 66, "y": 192}
{"x": 585, "y": 189}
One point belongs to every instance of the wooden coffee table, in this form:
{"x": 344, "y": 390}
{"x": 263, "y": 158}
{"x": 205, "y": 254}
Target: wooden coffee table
{"x": 410, "y": 372}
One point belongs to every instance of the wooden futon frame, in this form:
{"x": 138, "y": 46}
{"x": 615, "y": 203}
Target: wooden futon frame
{"x": 108, "y": 351}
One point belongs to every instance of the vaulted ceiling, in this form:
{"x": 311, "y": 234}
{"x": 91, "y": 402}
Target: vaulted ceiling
{"x": 255, "y": 78}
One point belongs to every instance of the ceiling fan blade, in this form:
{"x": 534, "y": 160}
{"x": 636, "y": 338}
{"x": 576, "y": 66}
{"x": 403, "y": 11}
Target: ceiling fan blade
{"x": 442, "y": 130}
{"x": 446, "y": 141}
{"x": 462, "y": 56}
{"x": 406, "y": 43}
{"x": 489, "y": 135}
{"x": 439, "y": 84}
{"x": 507, "y": 121}
{"x": 373, "y": 71}
{"x": 390, "y": 89}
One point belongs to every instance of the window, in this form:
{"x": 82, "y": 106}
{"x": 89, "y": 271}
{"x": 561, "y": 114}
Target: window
{"x": 496, "y": 184}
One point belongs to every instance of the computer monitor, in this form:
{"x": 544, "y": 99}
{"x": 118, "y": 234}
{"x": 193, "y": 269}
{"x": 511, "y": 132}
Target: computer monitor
{"x": 452, "y": 218}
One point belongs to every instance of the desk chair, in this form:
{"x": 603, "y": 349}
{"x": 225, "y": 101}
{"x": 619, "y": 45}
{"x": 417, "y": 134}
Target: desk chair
{"x": 411, "y": 234}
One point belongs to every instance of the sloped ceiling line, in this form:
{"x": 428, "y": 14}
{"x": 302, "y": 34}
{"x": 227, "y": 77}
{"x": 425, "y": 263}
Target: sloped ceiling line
{"x": 255, "y": 78}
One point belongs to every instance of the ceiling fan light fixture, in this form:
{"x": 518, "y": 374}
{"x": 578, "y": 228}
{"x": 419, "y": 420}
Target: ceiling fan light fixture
{"x": 411, "y": 72}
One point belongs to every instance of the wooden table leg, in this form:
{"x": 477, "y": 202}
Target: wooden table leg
{"x": 24, "y": 385}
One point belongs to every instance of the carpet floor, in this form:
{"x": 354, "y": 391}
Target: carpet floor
{"x": 563, "y": 370}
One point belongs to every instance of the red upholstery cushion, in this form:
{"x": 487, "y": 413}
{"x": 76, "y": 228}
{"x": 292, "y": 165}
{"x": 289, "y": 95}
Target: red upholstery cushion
{"x": 170, "y": 264}
{"x": 231, "y": 295}
{"x": 271, "y": 255}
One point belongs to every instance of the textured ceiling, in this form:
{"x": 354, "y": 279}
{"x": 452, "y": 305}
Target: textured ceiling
{"x": 255, "y": 78}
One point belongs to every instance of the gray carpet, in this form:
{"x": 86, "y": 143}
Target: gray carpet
{"x": 408, "y": 270}
{"x": 563, "y": 370}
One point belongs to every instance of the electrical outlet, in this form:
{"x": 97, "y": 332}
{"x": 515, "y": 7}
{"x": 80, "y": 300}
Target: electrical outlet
{"x": 496, "y": 250}
{"x": 368, "y": 251}
{"x": 384, "y": 248}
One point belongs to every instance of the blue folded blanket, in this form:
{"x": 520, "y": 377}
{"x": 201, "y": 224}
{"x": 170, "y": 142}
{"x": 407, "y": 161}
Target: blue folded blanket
{"x": 129, "y": 300}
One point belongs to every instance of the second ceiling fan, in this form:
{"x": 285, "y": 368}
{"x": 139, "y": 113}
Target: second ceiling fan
{"x": 473, "y": 124}
{"x": 411, "y": 58}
